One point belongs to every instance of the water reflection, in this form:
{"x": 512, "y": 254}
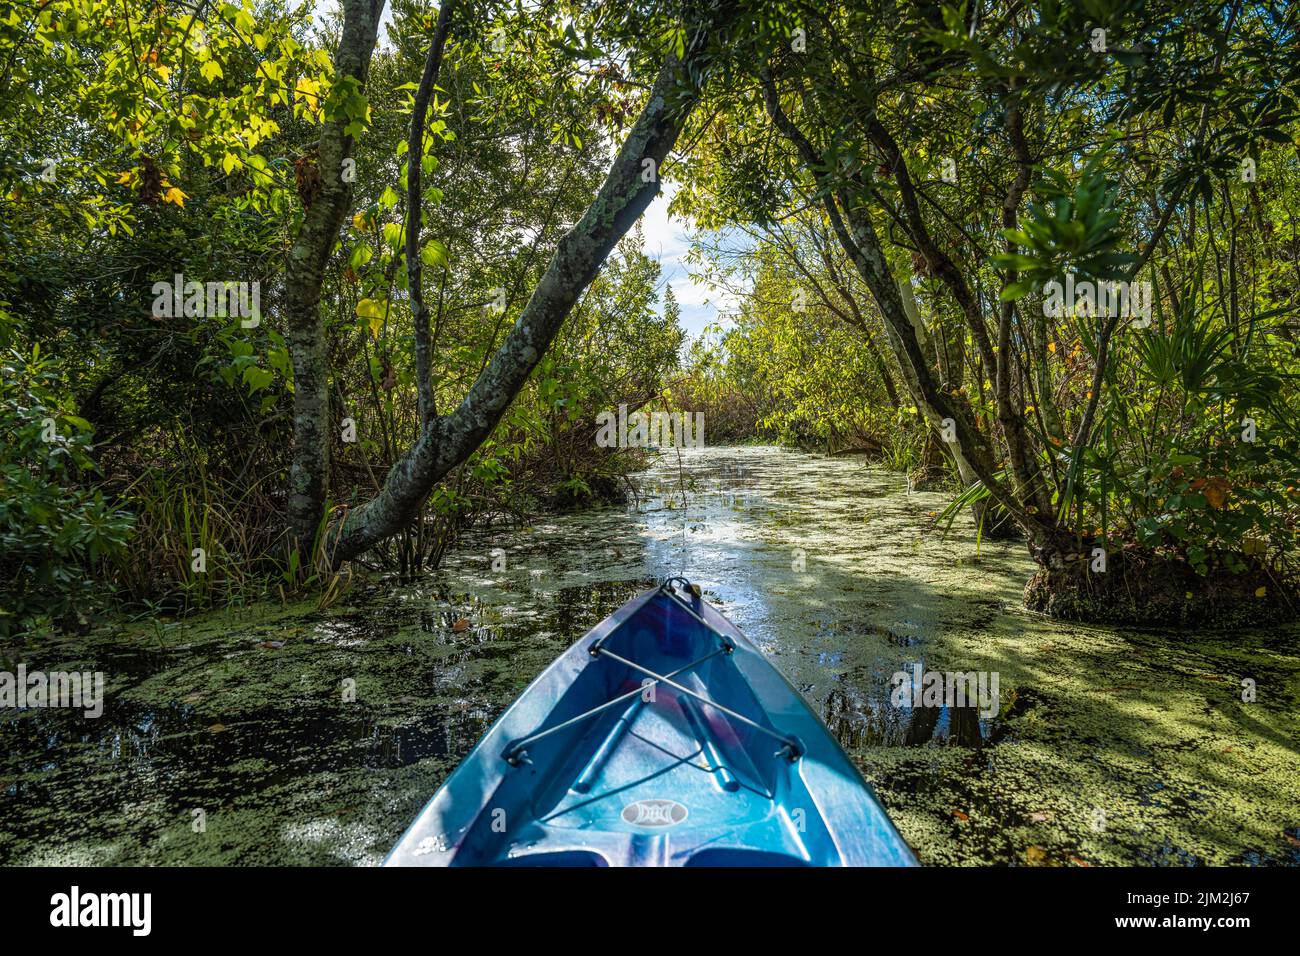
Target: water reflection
{"x": 830, "y": 567}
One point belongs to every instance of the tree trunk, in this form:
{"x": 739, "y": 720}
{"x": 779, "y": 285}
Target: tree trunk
{"x": 322, "y": 217}
{"x": 629, "y": 187}
{"x": 857, "y": 234}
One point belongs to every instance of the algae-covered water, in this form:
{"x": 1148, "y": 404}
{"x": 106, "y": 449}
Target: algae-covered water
{"x": 296, "y": 735}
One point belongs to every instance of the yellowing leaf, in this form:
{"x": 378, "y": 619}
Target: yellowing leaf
{"x": 307, "y": 95}
{"x": 174, "y": 195}
{"x": 1261, "y": 592}
{"x": 373, "y": 310}
{"x": 1216, "y": 491}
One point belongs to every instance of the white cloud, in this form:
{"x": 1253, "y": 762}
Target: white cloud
{"x": 666, "y": 240}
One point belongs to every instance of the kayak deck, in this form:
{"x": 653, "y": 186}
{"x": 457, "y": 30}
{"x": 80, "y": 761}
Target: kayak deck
{"x": 662, "y": 738}
{"x": 655, "y": 756}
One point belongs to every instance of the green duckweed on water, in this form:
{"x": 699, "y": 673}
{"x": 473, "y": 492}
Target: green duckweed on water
{"x": 292, "y": 735}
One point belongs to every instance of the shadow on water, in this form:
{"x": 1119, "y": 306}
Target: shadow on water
{"x": 313, "y": 737}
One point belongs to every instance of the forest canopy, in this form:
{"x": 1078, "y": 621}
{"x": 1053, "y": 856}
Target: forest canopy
{"x": 290, "y": 288}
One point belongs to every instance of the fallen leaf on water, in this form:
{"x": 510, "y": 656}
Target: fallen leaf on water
{"x": 461, "y": 625}
{"x": 216, "y": 728}
{"x": 272, "y": 645}
{"x": 191, "y": 698}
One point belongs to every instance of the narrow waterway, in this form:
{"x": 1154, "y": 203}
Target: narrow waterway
{"x": 298, "y": 735}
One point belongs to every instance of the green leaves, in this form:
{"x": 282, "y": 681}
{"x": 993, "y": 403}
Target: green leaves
{"x": 257, "y": 378}
{"x": 434, "y": 253}
{"x": 361, "y": 254}
{"x": 347, "y": 104}
{"x": 1069, "y": 228}
{"x": 394, "y": 234}
{"x": 210, "y": 70}
{"x": 1218, "y": 500}
{"x": 54, "y": 527}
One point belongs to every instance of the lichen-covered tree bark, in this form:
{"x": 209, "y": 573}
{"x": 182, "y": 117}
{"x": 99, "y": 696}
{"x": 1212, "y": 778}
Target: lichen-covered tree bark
{"x": 322, "y": 218}
{"x": 446, "y": 441}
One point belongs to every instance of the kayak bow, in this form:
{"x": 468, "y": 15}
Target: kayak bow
{"x": 661, "y": 738}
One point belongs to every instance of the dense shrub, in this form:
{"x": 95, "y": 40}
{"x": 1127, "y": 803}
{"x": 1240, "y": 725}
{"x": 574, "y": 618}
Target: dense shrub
{"x": 54, "y": 527}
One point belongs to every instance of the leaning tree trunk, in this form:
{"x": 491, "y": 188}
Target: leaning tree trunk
{"x": 445, "y": 442}
{"x": 856, "y": 233}
{"x": 629, "y": 187}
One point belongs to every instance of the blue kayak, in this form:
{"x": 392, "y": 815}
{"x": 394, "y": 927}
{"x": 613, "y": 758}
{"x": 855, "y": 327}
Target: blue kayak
{"x": 661, "y": 738}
